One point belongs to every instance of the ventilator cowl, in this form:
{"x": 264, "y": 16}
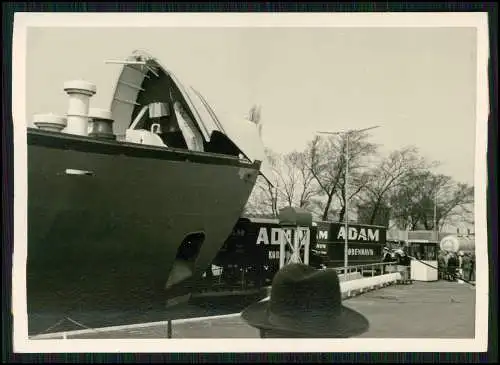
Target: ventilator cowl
{"x": 101, "y": 123}
{"x": 49, "y": 122}
{"x": 79, "y": 92}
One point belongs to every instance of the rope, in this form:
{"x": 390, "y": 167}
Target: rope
{"x": 78, "y": 323}
{"x": 52, "y": 326}
{"x": 61, "y": 321}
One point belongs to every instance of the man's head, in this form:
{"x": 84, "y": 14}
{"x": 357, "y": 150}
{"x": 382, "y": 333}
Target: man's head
{"x": 305, "y": 303}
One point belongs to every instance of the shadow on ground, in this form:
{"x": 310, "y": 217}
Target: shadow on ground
{"x": 49, "y": 322}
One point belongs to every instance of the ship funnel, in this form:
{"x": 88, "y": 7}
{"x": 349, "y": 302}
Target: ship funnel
{"x": 79, "y": 93}
{"x": 101, "y": 123}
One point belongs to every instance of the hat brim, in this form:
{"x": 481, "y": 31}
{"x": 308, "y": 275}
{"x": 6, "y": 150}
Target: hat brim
{"x": 346, "y": 323}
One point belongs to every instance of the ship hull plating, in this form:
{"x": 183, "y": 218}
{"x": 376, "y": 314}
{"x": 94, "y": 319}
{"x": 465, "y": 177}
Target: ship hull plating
{"x": 106, "y": 219}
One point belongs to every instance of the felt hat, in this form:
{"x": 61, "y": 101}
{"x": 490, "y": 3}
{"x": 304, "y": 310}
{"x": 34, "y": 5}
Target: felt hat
{"x": 306, "y": 301}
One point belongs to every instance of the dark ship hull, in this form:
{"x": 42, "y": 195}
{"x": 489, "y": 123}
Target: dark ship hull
{"x": 109, "y": 222}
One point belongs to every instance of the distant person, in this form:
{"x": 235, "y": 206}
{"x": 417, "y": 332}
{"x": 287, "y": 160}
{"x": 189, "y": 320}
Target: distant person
{"x": 442, "y": 265}
{"x": 466, "y": 266}
{"x": 460, "y": 264}
{"x": 446, "y": 258}
{"x": 452, "y": 267}
{"x": 387, "y": 255}
{"x": 472, "y": 272}
{"x": 398, "y": 254}
{"x": 305, "y": 303}
{"x": 402, "y": 258}
{"x": 406, "y": 260}
{"x": 403, "y": 263}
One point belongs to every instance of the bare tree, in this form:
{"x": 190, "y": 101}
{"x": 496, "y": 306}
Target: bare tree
{"x": 264, "y": 197}
{"x": 329, "y": 162}
{"x": 358, "y": 182}
{"x": 413, "y": 203}
{"x": 293, "y": 184}
{"x": 263, "y": 200}
{"x": 454, "y": 201}
{"x": 308, "y": 187}
{"x": 289, "y": 187}
{"x": 288, "y": 179}
{"x": 387, "y": 176}
{"x": 400, "y": 186}
{"x": 326, "y": 166}
{"x": 295, "y": 180}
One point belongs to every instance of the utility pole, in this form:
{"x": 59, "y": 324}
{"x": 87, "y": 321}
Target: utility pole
{"x": 346, "y": 190}
{"x": 435, "y": 217}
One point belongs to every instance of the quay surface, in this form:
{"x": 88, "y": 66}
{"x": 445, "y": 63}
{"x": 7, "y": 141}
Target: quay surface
{"x": 419, "y": 310}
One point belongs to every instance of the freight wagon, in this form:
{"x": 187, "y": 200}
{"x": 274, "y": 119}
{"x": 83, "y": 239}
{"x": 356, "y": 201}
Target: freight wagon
{"x": 365, "y": 246}
{"x": 251, "y": 255}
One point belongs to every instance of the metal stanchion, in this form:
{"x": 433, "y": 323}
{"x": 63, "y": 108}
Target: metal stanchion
{"x": 169, "y": 328}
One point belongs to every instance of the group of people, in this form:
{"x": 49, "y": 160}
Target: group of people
{"x": 459, "y": 265}
{"x": 451, "y": 265}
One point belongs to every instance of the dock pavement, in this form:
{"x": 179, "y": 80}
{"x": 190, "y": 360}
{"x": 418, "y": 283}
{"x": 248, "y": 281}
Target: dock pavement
{"x": 439, "y": 309}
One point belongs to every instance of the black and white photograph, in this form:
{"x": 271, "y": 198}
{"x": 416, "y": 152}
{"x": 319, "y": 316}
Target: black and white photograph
{"x": 215, "y": 182}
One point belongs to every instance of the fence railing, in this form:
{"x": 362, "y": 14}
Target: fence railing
{"x": 374, "y": 269}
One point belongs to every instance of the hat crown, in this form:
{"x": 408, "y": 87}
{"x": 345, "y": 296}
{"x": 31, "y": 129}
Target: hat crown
{"x": 306, "y": 302}
{"x": 299, "y": 289}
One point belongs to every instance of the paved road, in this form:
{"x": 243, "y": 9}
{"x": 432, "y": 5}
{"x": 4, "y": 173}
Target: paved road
{"x": 420, "y": 310}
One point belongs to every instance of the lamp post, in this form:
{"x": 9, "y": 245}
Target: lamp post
{"x": 346, "y": 188}
{"x": 435, "y": 216}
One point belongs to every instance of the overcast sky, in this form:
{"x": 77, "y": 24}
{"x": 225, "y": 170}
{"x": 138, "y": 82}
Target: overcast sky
{"x": 418, "y": 84}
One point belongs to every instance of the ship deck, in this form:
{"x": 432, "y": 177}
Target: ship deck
{"x": 419, "y": 310}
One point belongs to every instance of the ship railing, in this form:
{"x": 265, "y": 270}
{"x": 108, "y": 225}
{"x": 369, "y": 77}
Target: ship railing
{"x": 242, "y": 281}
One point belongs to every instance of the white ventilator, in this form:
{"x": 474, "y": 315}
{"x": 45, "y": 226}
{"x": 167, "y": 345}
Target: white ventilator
{"x": 49, "y": 122}
{"x": 79, "y": 93}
